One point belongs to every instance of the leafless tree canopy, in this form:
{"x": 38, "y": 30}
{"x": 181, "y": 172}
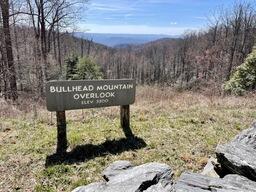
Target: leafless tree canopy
{"x": 34, "y": 46}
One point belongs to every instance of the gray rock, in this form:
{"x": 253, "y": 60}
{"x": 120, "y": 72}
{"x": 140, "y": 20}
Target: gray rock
{"x": 115, "y": 169}
{"x": 163, "y": 185}
{"x": 123, "y": 177}
{"x": 209, "y": 169}
{"x": 93, "y": 187}
{"x": 239, "y": 156}
{"x": 193, "y": 182}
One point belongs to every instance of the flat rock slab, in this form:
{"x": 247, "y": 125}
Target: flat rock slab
{"x": 193, "y": 182}
{"x": 239, "y": 156}
{"x": 115, "y": 169}
{"x": 122, "y": 176}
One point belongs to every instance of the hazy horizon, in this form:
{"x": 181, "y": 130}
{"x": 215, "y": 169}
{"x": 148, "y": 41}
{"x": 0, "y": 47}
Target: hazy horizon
{"x": 112, "y": 40}
{"x": 124, "y": 34}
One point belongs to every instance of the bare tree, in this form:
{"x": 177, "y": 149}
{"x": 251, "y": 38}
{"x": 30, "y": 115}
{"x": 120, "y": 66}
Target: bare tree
{"x": 4, "y": 5}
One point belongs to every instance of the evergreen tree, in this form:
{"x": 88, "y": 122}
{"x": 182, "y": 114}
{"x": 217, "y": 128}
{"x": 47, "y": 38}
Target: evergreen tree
{"x": 87, "y": 69}
{"x": 82, "y": 68}
{"x": 71, "y": 67}
{"x": 244, "y": 78}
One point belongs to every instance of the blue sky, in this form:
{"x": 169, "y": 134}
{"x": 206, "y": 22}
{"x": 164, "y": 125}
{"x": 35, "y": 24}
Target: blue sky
{"x": 170, "y": 17}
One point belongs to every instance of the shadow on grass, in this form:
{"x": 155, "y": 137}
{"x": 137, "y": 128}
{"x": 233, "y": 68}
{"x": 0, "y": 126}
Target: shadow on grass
{"x": 86, "y": 152}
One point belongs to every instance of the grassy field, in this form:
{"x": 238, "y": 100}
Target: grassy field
{"x": 180, "y": 129}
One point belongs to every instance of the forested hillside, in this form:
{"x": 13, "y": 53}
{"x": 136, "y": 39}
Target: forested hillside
{"x": 34, "y": 47}
{"x": 197, "y": 58}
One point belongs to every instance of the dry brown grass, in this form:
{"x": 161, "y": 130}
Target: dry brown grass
{"x": 180, "y": 129}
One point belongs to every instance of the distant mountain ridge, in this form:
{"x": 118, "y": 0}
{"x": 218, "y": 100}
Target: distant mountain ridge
{"x": 121, "y": 40}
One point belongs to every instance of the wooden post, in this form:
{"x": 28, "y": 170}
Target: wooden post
{"x": 125, "y": 120}
{"x": 62, "y": 143}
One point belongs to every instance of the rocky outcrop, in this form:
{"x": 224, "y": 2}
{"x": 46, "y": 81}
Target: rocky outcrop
{"x": 236, "y": 164}
{"x": 239, "y": 156}
{"x": 193, "y": 182}
{"x": 122, "y": 176}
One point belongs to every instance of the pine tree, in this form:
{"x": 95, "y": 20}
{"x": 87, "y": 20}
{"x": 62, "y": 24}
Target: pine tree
{"x": 244, "y": 78}
{"x": 71, "y": 67}
{"x": 87, "y": 69}
{"x": 82, "y": 68}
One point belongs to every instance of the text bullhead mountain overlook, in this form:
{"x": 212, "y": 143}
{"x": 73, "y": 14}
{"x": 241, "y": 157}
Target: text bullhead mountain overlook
{"x": 68, "y": 95}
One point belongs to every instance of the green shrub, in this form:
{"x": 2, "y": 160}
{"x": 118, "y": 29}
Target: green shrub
{"x": 82, "y": 68}
{"x": 71, "y": 66}
{"x": 87, "y": 69}
{"x": 244, "y": 78}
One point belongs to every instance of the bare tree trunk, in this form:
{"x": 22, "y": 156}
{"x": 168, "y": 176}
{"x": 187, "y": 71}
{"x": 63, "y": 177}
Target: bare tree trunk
{"x": 236, "y": 24}
{"x": 16, "y": 45}
{"x": 43, "y": 42}
{"x": 4, "y": 5}
{"x": 82, "y": 47}
{"x": 59, "y": 49}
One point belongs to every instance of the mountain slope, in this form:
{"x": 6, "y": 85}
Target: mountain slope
{"x": 113, "y": 40}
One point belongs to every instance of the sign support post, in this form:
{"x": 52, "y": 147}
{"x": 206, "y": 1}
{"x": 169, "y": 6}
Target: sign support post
{"x": 125, "y": 120}
{"x": 83, "y": 94}
{"x": 62, "y": 143}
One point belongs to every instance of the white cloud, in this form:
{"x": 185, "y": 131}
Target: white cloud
{"x": 110, "y": 7}
{"x": 159, "y": 1}
{"x": 173, "y": 23}
{"x": 133, "y": 29}
{"x": 201, "y": 18}
{"x": 109, "y": 18}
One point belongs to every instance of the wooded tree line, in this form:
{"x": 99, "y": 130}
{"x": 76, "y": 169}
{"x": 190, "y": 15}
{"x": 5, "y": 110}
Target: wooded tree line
{"x": 34, "y": 47}
{"x": 30, "y": 42}
{"x": 198, "y": 57}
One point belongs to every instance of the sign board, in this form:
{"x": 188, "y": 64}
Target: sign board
{"x": 68, "y": 95}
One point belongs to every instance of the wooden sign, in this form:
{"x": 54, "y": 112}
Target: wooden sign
{"x": 68, "y": 95}
{"x": 82, "y": 94}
